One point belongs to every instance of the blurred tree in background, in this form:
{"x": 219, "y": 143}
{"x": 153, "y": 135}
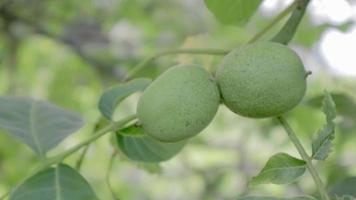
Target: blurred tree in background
{"x": 68, "y": 52}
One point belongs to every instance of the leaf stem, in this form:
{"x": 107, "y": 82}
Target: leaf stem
{"x": 144, "y": 62}
{"x": 112, "y": 127}
{"x": 109, "y": 169}
{"x": 81, "y": 157}
{"x": 278, "y": 18}
{"x": 83, "y": 153}
{"x": 288, "y": 30}
{"x": 137, "y": 68}
{"x": 293, "y": 137}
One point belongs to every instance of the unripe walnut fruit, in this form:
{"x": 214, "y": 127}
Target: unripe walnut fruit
{"x": 262, "y": 79}
{"x": 179, "y": 104}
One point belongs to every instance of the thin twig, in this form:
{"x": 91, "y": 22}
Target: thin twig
{"x": 293, "y": 137}
{"x": 137, "y": 68}
{"x": 112, "y": 127}
{"x": 98, "y": 125}
{"x": 81, "y": 157}
{"x": 108, "y": 172}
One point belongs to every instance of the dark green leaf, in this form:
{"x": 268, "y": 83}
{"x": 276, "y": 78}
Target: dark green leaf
{"x": 346, "y": 187}
{"x": 281, "y": 168}
{"x": 142, "y": 148}
{"x": 275, "y": 198}
{"x": 37, "y": 123}
{"x": 234, "y": 12}
{"x": 58, "y": 183}
{"x": 322, "y": 145}
{"x": 113, "y": 96}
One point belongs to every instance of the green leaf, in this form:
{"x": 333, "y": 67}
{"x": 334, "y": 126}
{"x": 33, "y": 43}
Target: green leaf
{"x": 322, "y": 145}
{"x": 345, "y": 187}
{"x": 233, "y": 12}
{"x": 142, "y": 148}
{"x": 57, "y": 183}
{"x": 281, "y": 168}
{"x": 113, "y": 96}
{"x": 275, "y": 198}
{"x": 37, "y": 123}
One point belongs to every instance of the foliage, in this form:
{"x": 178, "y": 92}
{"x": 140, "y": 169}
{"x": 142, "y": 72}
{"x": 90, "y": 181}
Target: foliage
{"x": 87, "y": 56}
{"x": 38, "y": 124}
{"x": 57, "y": 183}
{"x": 322, "y": 143}
{"x": 113, "y": 96}
{"x": 281, "y": 168}
{"x": 236, "y": 12}
{"x": 139, "y": 147}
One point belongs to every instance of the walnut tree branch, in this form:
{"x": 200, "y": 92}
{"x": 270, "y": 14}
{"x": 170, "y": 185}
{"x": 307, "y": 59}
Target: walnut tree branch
{"x": 102, "y": 68}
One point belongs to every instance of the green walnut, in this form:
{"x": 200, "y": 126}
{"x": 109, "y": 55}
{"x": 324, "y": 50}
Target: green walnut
{"x": 262, "y": 79}
{"x": 179, "y": 104}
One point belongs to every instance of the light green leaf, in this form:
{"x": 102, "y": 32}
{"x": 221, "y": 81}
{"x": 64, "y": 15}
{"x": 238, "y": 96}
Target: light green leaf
{"x": 275, "y": 198}
{"x": 233, "y": 12}
{"x": 113, "y": 96}
{"x": 142, "y": 148}
{"x": 37, "y": 123}
{"x": 58, "y": 183}
{"x": 281, "y": 168}
{"x": 322, "y": 145}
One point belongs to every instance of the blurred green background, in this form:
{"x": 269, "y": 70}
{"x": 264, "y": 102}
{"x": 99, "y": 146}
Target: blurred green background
{"x": 68, "y": 52}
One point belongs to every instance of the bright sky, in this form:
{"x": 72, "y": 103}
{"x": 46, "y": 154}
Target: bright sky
{"x": 338, "y": 49}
